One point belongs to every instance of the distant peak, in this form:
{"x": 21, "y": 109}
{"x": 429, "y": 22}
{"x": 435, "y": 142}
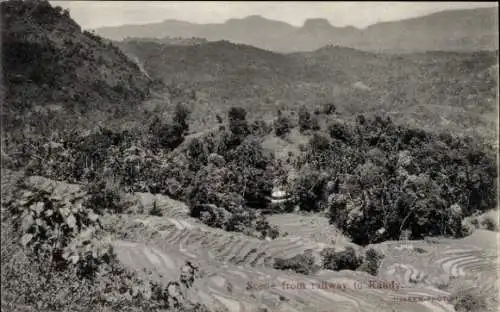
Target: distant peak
{"x": 317, "y": 23}
{"x": 251, "y": 19}
{"x": 254, "y": 17}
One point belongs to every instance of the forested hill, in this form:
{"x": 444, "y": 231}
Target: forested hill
{"x": 49, "y": 62}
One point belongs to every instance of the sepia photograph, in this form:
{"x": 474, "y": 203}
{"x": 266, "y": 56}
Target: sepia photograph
{"x": 241, "y": 156}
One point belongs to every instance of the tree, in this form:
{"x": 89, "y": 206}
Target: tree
{"x": 304, "y": 119}
{"x": 181, "y": 115}
{"x": 282, "y": 126}
{"x": 237, "y": 122}
{"x": 219, "y": 119}
{"x": 315, "y": 123}
{"x": 342, "y": 260}
{"x": 167, "y": 136}
{"x": 197, "y": 154}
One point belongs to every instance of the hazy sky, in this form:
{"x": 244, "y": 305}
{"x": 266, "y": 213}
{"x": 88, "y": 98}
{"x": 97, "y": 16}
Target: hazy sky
{"x": 93, "y": 14}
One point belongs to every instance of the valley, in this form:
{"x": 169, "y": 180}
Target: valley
{"x": 206, "y": 174}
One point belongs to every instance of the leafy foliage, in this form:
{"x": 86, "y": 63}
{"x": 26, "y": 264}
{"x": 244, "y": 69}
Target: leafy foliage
{"x": 105, "y": 196}
{"x": 304, "y": 119}
{"x": 469, "y": 300}
{"x": 167, "y": 135}
{"x": 65, "y": 262}
{"x": 393, "y": 178}
{"x": 52, "y": 226}
{"x": 282, "y": 125}
{"x": 155, "y": 211}
{"x": 371, "y": 262}
{"x": 342, "y": 260}
{"x": 302, "y": 263}
{"x": 181, "y": 115}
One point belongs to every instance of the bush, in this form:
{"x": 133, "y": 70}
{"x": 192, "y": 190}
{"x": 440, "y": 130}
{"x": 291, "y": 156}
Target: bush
{"x": 318, "y": 143}
{"x": 105, "y": 196}
{"x": 265, "y": 229}
{"x": 219, "y": 119}
{"x": 156, "y": 211}
{"x": 305, "y": 122}
{"x": 181, "y": 115}
{"x": 339, "y": 132}
{"x": 315, "y": 124}
{"x": 260, "y": 128}
{"x": 308, "y": 189}
{"x": 282, "y": 126}
{"x": 47, "y": 224}
{"x": 469, "y": 301}
{"x": 489, "y": 224}
{"x": 166, "y": 136}
{"x": 329, "y": 108}
{"x": 371, "y": 262}
{"x": 237, "y": 121}
{"x": 302, "y": 264}
{"x": 64, "y": 263}
{"x": 341, "y": 260}
{"x": 197, "y": 154}
{"x": 170, "y": 136}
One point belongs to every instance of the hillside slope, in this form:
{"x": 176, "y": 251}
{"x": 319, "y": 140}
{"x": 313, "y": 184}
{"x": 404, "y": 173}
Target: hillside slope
{"x": 457, "y": 30}
{"x": 49, "y": 62}
{"x": 434, "y": 89}
{"x": 235, "y": 276}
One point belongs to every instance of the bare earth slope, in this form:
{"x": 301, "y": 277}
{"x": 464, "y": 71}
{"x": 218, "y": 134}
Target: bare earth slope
{"x": 230, "y": 262}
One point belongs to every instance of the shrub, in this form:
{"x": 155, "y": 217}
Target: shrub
{"x": 260, "y": 128}
{"x": 339, "y": 132}
{"x": 469, "y": 300}
{"x": 361, "y": 119}
{"x": 302, "y": 263}
{"x": 489, "y": 224}
{"x": 329, "y": 108}
{"x": 341, "y": 260}
{"x": 219, "y": 119}
{"x": 315, "y": 124}
{"x": 308, "y": 189}
{"x": 282, "y": 126}
{"x": 237, "y": 121}
{"x": 197, "y": 154}
{"x": 105, "y": 196}
{"x": 181, "y": 115}
{"x": 318, "y": 143}
{"x": 265, "y": 229}
{"x": 305, "y": 122}
{"x": 48, "y": 224}
{"x": 166, "y": 136}
{"x": 156, "y": 211}
{"x": 67, "y": 265}
{"x": 371, "y": 262}
{"x": 173, "y": 188}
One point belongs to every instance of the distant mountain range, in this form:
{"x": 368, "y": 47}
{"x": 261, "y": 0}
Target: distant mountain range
{"x": 457, "y": 30}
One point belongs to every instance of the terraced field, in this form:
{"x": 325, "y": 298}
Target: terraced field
{"x": 236, "y": 271}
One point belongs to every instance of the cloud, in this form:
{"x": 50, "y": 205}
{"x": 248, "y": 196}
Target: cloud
{"x": 93, "y": 14}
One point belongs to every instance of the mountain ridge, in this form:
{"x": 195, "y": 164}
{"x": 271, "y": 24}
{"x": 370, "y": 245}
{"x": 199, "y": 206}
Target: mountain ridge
{"x": 452, "y": 30}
